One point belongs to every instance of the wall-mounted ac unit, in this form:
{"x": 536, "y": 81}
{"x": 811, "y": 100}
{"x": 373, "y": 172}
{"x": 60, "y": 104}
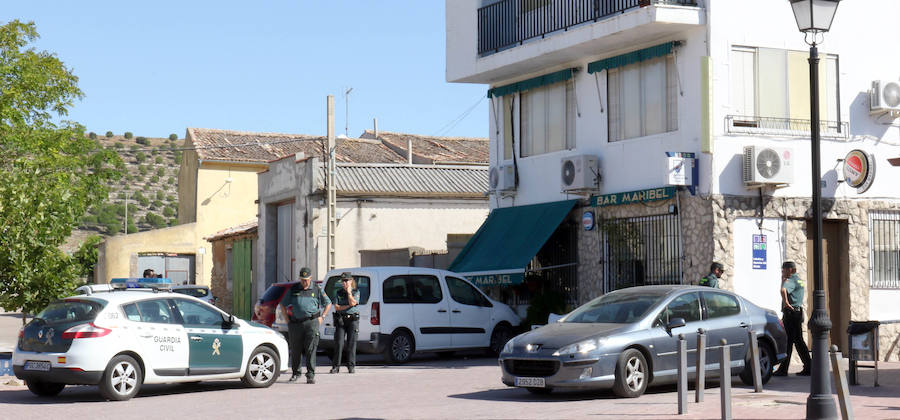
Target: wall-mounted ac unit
{"x": 767, "y": 165}
{"x": 884, "y": 98}
{"x": 580, "y": 173}
{"x": 502, "y": 178}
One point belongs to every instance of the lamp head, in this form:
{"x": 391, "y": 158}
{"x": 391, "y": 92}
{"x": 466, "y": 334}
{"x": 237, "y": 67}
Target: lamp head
{"x": 814, "y": 16}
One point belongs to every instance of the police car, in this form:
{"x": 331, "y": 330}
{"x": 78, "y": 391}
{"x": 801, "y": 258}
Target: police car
{"x": 126, "y": 337}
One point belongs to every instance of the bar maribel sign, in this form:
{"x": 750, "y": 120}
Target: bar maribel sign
{"x": 632, "y": 197}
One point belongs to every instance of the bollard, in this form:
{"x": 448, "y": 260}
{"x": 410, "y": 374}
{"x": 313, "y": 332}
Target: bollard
{"x": 682, "y": 374}
{"x": 701, "y": 364}
{"x": 840, "y": 382}
{"x": 754, "y": 361}
{"x": 725, "y": 380}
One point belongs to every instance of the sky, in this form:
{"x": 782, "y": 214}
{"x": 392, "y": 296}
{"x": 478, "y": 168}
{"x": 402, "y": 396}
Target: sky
{"x": 157, "y": 67}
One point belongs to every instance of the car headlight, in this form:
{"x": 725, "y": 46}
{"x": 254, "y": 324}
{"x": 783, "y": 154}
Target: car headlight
{"x": 508, "y": 348}
{"x": 582, "y": 347}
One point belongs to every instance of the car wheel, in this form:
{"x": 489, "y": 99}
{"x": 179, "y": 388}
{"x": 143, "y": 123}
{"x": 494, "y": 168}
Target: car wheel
{"x": 122, "y": 379}
{"x": 766, "y": 363}
{"x": 540, "y": 391}
{"x": 401, "y": 347}
{"x": 631, "y": 374}
{"x": 499, "y": 337}
{"x": 262, "y": 368}
{"x": 44, "y": 389}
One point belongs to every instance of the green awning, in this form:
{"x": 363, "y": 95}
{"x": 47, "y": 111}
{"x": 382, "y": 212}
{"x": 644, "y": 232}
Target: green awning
{"x": 534, "y": 82}
{"x": 507, "y": 241}
{"x": 633, "y": 57}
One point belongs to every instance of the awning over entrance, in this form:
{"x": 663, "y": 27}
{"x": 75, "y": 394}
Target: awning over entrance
{"x": 507, "y": 241}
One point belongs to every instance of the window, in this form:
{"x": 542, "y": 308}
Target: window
{"x": 157, "y": 311}
{"x": 547, "y": 119}
{"x": 617, "y": 308}
{"x": 884, "y": 245}
{"x": 70, "y": 311}
{"x": 642, "y": 98}
{"x": 720, "y": 305}
{"x": 641, "y": 251}
{"x": 774, "y": 83}
{"x": 412, "y": 289}
{"x": 463, "y": 292}
{"x": 508, "y": 126}
{"x": 198, "y": 315}
{"x": 362, "y": 284}
{"x": 686, "y": 306}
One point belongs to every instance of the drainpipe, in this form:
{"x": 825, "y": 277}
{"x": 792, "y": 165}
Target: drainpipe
{"x": 409, "y": 150}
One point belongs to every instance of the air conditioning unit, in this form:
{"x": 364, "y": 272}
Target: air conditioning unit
{"x": 884, "y": 98}
{"x": 502, "y": 178}
{"x": 767, "y": 165}
{"x": 580, "y": 173}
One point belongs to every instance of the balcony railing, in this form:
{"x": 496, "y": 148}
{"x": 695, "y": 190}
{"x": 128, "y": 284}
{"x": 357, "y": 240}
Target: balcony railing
{"x": 784, "y": 127}
{"x": 510, "y": 22}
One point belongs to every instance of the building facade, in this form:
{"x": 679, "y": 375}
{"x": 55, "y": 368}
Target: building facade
{"x": 682, "y": 131}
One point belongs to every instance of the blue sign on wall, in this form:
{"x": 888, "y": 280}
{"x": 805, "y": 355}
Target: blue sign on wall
{"x": 759, "y": 252}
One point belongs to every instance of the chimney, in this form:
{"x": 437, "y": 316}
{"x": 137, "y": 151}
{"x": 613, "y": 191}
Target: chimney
{"x": 375, "y": 122}
{"x": 409, "y": 150}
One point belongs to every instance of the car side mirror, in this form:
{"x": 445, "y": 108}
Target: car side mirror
{"x": 230, "y": 321}
{"x": 675, "y": 323}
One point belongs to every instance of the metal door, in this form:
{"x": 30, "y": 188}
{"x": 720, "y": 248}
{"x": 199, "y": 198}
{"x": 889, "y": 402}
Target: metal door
{"x": 241, "y": 254}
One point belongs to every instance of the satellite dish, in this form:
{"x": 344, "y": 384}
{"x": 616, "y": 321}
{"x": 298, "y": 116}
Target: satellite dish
{"x": 768, "y": 163}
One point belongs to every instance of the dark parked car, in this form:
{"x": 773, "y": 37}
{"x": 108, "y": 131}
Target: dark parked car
{"x": 627, "y": 340}
{"x": 199, "y": 292}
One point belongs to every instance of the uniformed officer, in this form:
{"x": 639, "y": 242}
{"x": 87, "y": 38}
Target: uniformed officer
{"x": 793, "y": 291}
{"x": 716, "y": 270}
{"x": 346, "y": 323}
{"x": 306, "y": 306}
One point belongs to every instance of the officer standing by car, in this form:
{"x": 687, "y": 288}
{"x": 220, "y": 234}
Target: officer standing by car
{"x": 306, "y": 306}
{"x": 346, "y": 323}
{"x": 793, "y": 291}
{"x": 716, "y": 270}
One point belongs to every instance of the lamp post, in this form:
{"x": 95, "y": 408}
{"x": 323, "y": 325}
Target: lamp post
{"x": 813, "y": 18}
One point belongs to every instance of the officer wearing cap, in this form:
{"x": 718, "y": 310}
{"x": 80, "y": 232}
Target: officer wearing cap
{"x": 346, "y": 323}
{"x": 716, "y": 270}
{"x": 306, "y": 306}
{"x": 793, "y": 291}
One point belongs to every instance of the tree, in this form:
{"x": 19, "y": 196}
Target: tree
{"x": 173, "y": 137}
{"x": 86, "y": 256}
{"x": 49, "y": 172}
{"x": 109, "y": 134}
{"x": 128, "y": 135}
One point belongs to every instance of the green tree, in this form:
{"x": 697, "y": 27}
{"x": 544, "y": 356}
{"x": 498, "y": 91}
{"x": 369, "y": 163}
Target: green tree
{"x": 85, "y": 259}
{"x": 49, "y": 172}
{"x": 140, "y": 157}
{"x": 128, "y": 135}
{"x": 160, "y": 195}
{"x": 161, "y": 171}
{"x": 168, "y": 212}
{"x": 173, "y": 137}
{"x": 92, "y": 135}
{"x": 158, "y": 160}
{"x": 109, "y": 134}
{"x": 132, "y": 228}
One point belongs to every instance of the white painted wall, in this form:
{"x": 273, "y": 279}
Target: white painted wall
{"x": 883, "y": 305}
{"x": 762, "y": 287}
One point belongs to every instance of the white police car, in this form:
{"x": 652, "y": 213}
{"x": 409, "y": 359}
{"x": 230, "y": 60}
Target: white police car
{"x": 123, "y": 338}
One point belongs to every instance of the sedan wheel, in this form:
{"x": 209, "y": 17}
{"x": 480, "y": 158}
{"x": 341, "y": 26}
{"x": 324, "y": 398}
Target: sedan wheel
{"x": 401, "y": 347}
{"x": 766, "y": 363}
{"x": 122, "y": 379}
{"x": 262, "y": 368}
{"x": 631, "y": 374}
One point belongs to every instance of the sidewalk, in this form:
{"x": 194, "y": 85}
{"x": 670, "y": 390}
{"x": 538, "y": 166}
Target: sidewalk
{"x": 10, "y": 322}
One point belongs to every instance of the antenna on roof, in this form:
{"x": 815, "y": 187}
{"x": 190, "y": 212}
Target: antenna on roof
{"x": 347, "y": 111}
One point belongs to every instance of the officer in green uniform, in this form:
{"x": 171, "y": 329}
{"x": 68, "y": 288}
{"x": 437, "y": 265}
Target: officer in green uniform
{"x": 715, "y": 273}
{"x": 346, "y": 323}
{"x": 306, "y": 306}
{"x": 793, "y": 291}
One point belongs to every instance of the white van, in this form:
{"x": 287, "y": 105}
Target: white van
{"x": 407, "y": 309}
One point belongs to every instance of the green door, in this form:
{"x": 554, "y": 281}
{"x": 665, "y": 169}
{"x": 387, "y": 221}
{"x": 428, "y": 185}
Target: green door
{"x": 215, "y": 346}
{"x": 242, "y": 305}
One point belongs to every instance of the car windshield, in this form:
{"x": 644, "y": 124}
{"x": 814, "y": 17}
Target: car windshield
{"x": 273, "y": 293}
{"x": 615, "y": 308}
{"x": 193, "y": 291}
{"x": 70, "y": 311}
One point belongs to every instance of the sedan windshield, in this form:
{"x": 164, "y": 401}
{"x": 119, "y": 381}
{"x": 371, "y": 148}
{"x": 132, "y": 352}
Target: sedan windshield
{"x": 615, "y": 308}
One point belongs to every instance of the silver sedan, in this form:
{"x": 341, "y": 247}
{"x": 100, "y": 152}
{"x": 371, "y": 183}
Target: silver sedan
{"x": 627, "y": 340}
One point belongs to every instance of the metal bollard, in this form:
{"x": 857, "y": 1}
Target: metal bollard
{"x": 754, "y": 361}
{"x": 725, "y": 380}
{"x": 682, "y": 374}
{"x": 840, "y": 382}
{"x": 701, "y": 364}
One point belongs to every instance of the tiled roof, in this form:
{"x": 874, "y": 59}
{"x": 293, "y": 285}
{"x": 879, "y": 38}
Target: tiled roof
{"x": 468, "y": 181}
{"x": 431, "y": 149}
{"x": 242, "y": 146}
{"x": 241, "y": 229}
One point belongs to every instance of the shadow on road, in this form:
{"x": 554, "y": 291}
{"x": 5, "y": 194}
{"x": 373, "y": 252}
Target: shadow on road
{"x": 523, "y": 395}
{"x": 86, "y": 393}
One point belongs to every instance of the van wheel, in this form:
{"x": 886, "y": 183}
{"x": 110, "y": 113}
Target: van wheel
{"x": 262, "y": 368}
{"x": 44, "y": 389}
{"x": 631, "y": 374}
{"x": 499, "y": 337}
{"x": 766, "y": 362}
{"x": 122, "y": 379}
{"x": 401, "y": 347}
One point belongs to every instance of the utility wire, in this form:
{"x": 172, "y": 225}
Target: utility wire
{"x": 454, "y": 122}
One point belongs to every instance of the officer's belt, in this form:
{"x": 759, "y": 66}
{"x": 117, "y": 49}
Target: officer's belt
{"x": 314, "y": 316}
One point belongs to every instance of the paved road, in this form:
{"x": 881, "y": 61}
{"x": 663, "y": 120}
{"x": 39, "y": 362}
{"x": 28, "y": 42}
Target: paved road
{"x": 465, "y": 386}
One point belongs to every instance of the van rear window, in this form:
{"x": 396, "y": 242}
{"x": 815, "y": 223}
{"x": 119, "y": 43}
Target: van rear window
{"x": 70, "y": 311}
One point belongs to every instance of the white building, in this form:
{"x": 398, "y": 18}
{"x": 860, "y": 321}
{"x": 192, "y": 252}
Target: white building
{"x": 720, "y": 87}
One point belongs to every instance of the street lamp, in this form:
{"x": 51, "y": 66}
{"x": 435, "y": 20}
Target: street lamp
{"x": 813, "y": 18}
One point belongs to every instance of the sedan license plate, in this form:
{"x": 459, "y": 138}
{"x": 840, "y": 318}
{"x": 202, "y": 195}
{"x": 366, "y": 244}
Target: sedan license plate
{"x": 37, "y": 365}
{"x": 530, "y": 382}
{"x": 329, "y": 330}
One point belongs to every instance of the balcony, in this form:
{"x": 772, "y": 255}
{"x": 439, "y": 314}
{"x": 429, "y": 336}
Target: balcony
{"x": 784, "y": 127}
{"x": 507, "y": 23}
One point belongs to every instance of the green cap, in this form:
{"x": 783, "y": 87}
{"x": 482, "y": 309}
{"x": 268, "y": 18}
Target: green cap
{"x": 304, "y": 272}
